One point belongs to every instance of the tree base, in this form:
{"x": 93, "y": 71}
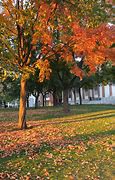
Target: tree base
{"x": 22, "y": 126}
{"x": 66, "y": 109}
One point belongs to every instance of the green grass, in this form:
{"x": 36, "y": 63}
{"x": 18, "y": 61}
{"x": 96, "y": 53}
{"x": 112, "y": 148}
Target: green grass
{"x": 10, "y": 114}
{"x": 75, "y": 146}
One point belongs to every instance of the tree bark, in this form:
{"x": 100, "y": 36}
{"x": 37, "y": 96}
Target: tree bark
{"x": 80, "y": 98}
{"x": 36, "y": 100}
{"x": 55, "y": 102}
{"x": 98, "y": 92}
{"x": 5, "y": 106}
{"x": 65, "y": 101}
{"x": 74, "y": 92}
{"x": 43, "y": 100}
{"x": 22, "y": 109}
{"x": 27, "y": 101}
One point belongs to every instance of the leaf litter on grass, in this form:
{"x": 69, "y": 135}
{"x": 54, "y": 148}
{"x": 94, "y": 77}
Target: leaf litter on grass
{"x": 79, "y": 149}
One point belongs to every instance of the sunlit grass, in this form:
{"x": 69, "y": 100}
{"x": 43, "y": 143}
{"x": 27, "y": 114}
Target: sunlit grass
{"x": 76, "y": 146}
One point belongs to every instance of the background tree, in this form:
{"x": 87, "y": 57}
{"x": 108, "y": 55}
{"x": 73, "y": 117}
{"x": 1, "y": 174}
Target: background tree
{"x": 105, "y": 73}
{"x": 10, "y": 90}
{"x": 37, "y": 88}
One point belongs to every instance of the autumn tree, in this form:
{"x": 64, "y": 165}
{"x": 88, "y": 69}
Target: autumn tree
{"x": 34, "y": 33}
{"x": 19, "y": 23}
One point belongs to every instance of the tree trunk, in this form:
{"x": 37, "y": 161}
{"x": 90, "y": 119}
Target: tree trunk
{"x": 55, "y": 102}
{"x": 5, "y": 106}
{"x": 80, "y": 98}
{"x": 43, "y": 97}
{"x": 22, "y": 108}
{"x": 74, "y": 92}
{"x": 65, "y": 101}
{"x": 98, "y": 92}
{"x": 27, "y": 101}
{"x": 45, "y": 103}
{"x": 36, "y": 100}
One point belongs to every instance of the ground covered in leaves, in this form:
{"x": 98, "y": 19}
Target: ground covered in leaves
{"x": 77, "y": 146}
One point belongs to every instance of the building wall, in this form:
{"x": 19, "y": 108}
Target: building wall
{"x": 99, "y": 93}
{"x": 31, "y": 101}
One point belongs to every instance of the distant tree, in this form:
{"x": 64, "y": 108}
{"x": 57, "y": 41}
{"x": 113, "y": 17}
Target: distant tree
{"x": 106, "y": 73}
{"x": 10, "y": 90}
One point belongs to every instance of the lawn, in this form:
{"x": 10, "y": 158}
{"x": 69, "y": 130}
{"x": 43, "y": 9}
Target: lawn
{"x": 58, "y": 146}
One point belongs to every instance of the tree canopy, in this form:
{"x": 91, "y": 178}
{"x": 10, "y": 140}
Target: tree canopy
{"x": 52, "y": 27}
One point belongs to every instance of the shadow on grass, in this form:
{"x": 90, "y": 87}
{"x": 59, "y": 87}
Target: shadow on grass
{"x": 74, "y": 110}
{"x": 44, "y": 113}
{"x": 67, "y": 120}
{"x": 78, "y": 119}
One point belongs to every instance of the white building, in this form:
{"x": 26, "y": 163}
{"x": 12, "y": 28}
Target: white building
{"x": 98, "y": 95}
